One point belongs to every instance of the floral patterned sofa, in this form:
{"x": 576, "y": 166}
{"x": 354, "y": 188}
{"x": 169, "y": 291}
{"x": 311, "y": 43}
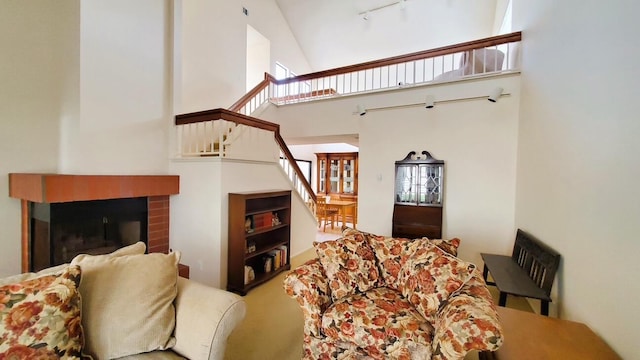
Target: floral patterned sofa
{"x": 374, "y": 297}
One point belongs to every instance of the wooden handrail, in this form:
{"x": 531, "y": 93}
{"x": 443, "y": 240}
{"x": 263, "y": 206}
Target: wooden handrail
{"x": 253, "y": 92}
{"x": 445, "y": 50}
{"x": 224, "y": 114}
{"x": 294, "y": 164}
{"x": 425, "y": 54}
{"x": 229, "y": 115}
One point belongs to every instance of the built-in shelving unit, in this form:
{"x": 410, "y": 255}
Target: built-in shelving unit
{"x": 259, "y": 238}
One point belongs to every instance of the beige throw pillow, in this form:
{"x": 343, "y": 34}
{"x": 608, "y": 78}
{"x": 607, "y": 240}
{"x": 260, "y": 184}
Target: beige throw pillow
{"x": 133, "y": 249}
{"x": 137, "y": 248}
{"x": 127, "y": 303}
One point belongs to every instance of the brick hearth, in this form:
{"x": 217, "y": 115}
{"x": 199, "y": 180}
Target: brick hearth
{"x": 52, "y": 188}
{"x": 158, "y": 224}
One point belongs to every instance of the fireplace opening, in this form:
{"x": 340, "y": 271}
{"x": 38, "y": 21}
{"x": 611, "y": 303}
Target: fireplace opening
{"x": 60, "y": 231}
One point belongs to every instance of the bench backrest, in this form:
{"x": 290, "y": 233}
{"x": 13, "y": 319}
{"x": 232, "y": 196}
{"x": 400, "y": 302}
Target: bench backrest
{"x": 537, "y": 259}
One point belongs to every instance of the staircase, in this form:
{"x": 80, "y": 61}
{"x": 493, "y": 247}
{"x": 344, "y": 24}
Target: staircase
{"x": 214, "y": 132}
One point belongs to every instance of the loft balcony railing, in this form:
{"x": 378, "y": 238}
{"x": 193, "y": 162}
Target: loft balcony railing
{"x": 489, "y": 56}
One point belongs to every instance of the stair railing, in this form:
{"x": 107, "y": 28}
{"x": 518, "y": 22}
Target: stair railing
{"x": 195, "y": 123}
{"x": 251, "y": 101}
{"x": 256, "y": 97}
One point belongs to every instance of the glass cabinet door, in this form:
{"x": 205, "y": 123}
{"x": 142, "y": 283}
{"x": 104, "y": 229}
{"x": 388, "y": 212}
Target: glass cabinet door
{"x": 419, "y": 180}
{"x": 337, "y": 175}
{"x": 348, "y": 176}
{"x": 430, "y": 185}
{"x": 334, "y": 175}
{"x": 405, "y": 184}
{"x": 322, "y": 186}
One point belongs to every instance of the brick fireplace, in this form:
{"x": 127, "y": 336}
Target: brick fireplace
{"x": 52, "y": 191}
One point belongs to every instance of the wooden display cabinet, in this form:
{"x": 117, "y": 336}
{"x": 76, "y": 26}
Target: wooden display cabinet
{"x": 259, "y": 238}
{"x": 417, "y": 210}
{"x": 337, "y": 175}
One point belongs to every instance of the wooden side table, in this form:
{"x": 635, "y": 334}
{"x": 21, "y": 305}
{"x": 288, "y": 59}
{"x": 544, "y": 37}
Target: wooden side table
{"x": 183, "y": 270}
{"x": 528, "y": 336}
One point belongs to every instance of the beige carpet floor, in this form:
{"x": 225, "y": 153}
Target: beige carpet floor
{"x": 272, "y": 328}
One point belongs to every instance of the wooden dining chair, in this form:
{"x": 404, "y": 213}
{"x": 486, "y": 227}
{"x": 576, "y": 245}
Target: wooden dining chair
{"x": 325, "y": 214}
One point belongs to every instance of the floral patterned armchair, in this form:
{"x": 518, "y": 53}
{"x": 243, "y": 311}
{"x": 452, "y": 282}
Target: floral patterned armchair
{"x": 370, "y": 297}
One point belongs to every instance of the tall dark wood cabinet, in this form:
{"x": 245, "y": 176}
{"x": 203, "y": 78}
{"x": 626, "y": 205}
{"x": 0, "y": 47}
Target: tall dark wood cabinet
{"x": 417, "y": 210}
{"x": 259, "y": 238}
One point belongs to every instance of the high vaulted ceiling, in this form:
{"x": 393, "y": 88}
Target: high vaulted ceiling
{"x": 334, "y": 33}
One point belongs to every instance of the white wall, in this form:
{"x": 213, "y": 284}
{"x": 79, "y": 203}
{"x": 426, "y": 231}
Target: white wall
{"x": 302, "y": 152}
{"x": 578, "y": 165}
{"x": 250, "y": 143}
{"x": 316, "y": 118}
{"x": 266, "y": 17}
{"x": 124, "y": 84}
{"x": 477, "y": 139}
{"x": 213, "y": 46}
{"x": 388, "y": 32}
{"x": 258, "y": 57}
{"x": 501, "y": 9}
{"x": 195, "y": 216}
{"x": 212, "y": 38}
{"x": 39, "y": 50}
{"x": 199, "y": 215}
{"x": 89, "y": 87}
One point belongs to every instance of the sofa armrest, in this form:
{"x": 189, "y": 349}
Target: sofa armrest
{"x": 205, "y": 316}
{"x": 310, "y": 287}
{"x": 468, "y": 321}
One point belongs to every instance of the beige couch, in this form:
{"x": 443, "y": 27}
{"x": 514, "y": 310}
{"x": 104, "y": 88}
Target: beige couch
{"x": 131, "y": 305}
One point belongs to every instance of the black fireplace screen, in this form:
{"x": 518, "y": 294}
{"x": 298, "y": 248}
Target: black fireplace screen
{"x": 60, "y": 231}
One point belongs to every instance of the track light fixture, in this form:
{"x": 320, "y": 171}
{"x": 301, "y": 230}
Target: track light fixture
{"x": 365, "y": 14}
{"x": 495, "y": 94}
{"x": 361, "y": 110}
{"x": 429, "y": 101}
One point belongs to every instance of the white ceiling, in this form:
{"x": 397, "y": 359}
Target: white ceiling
{"x": 331, "y": 33}
{"x": 351, "y": 139}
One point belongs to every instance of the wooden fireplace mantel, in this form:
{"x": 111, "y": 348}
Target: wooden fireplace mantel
{"x": 54, "y": 188}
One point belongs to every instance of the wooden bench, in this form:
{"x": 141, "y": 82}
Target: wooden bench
{"x": 528, "y": 272}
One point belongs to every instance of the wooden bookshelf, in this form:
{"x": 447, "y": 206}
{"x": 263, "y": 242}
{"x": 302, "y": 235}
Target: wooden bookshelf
{"x": 259, "y": 237}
